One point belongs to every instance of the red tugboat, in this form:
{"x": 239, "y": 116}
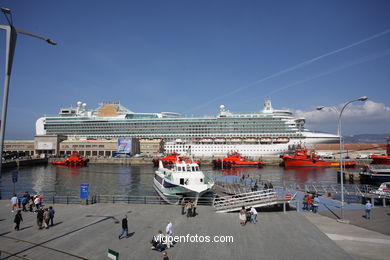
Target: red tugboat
{"x": 303, "y": 158}
{"x": 234, "y": 159}
{"x": 74, "y": 160}
{"x": 380, "y": 158}
{"x": 172, "y": 158}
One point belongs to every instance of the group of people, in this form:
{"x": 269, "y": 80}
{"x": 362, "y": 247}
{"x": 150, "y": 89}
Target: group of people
{"x": 188, "y": 208}
{"x": 162, "y": 241}
{"x": 247, "y": 216}
{"x": 45, "y": 216}
{"x": 311, "y": 203}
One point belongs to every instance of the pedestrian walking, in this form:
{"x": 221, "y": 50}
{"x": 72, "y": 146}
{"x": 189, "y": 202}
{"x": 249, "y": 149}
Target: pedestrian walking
{"x": 40, "y": 218}
{"x": 189, "y": 209}
{"x": 368, "y": 208}
{"x": 37, "y": 202}
{"x": 316, "y": 203}
{"x": 51, "y": 215}
{"x": 46, "y": 217}
{"x": 169, "y": 233}
{"x": 31, "y": 203}
{"x": 18, "y": 218}
{"x": 253, "y": 215}
{"x": 125, "y": 229}
{"x": 14, "y": 202}
{"x": 25, "y": 200}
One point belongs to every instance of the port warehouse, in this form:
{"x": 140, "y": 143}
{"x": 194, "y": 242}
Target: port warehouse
{"x": 54, "y": 145}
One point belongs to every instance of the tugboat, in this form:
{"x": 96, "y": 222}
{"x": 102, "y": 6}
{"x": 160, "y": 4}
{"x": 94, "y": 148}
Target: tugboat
{"x": 234, "y": 159}
{"x": 184, "y": 179}
{"x": 74, "y": 160}
{"x": 303, "y": 157}
{"x": 381, "y": 158}
{"x": 170, "y": 159}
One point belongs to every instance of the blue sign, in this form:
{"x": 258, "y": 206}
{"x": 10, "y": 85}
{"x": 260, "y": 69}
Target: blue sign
{"x": 84, "y": 191}
{"x": 15, "y": 176}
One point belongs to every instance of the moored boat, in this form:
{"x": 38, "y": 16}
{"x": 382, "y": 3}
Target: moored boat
{"x": 74, "y": 160}
{"x": 170, "y": 159}
{"x": 184, "y": 179}
{"x": 374, "y": 174}
{"x": 234, "y": 159}
{"x": 303, "y": 157}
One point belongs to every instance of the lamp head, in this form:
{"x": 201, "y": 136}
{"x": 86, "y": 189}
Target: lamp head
{"x": 6, "y": 10}
{"x": 51, "y": 42}
{"x": 364, "y": 98}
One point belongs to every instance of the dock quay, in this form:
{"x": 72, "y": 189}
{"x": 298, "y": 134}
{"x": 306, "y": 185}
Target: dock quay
{"x": 87, "y": 232}
{"x": 23, "y": 162}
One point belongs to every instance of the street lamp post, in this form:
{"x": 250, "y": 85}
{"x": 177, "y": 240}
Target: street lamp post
{"x": 11, "y": 36}
{"x": 364, "y": 98}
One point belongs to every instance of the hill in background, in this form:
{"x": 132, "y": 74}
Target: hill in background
{"x": 366, "y": 139}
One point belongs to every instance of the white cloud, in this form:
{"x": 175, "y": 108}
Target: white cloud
{"x": 368, "y": 117}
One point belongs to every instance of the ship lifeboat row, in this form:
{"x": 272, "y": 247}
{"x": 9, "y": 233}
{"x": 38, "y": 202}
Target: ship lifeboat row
{"x": 304, "y": 158}
{"x": 74, "y": 160}
{"x": 263, "y": 140}
{"x": 171, "y": 158}
{"x": 235, "y": 159}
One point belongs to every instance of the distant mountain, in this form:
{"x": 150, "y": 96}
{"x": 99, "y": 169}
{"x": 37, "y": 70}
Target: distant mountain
{"x": 366, "y": 139}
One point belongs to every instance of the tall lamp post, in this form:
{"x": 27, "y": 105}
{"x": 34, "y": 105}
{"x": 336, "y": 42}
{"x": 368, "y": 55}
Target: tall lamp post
{"x": 11, "y": 35}
{"x": 364, "y": 98}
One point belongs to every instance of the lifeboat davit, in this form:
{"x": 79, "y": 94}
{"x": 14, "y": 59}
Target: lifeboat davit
{"x": 172, "y": 158}
{"x": 234, "y": 159}
{"x": 74, "y": 160}
{"x": 304, "y": 158}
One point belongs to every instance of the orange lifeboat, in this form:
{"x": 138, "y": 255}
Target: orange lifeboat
{"x": 265, "y": 140}
{"x": 282, "y": 140}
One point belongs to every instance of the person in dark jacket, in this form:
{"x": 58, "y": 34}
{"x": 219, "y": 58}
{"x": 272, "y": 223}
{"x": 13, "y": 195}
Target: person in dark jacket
{"x": 125, "y": 230}
{"x": 40, "y": 217}
{"x": 18, "y": 218}
{"x": 51, "y": 215}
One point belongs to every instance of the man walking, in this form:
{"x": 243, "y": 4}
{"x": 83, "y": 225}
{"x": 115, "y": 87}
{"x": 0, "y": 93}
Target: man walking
{"x": 368, "y": 208}
{"x": 125, "y": 230}
{"x": 169, "y": 232}
{"x": 253, "y": 212}
{"x": 14, "y": 202}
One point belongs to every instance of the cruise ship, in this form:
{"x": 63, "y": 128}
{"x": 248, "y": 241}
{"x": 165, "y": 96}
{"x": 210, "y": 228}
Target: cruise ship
{"x": 267, "y": 132}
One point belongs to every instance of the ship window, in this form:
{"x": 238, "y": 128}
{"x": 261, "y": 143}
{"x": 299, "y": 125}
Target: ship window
{"x": 201, "y": 180}
{"x": 181, "y": 181}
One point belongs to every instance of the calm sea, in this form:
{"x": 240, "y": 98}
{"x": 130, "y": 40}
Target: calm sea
{"x": 138, "y": 180}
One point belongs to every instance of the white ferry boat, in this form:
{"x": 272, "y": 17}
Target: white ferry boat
{"x": 267, "y": 132}
{"x": 184, "y": 179}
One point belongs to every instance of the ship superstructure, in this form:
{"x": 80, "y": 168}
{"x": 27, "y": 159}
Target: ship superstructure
{"x": 268, "y": 131}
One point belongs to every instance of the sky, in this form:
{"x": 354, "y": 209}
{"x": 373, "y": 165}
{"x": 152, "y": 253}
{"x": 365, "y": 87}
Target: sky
{"x": 192, "y": 56}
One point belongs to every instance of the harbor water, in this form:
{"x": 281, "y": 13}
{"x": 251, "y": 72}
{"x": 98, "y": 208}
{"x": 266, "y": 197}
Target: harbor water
{"x": 138, "y": 180}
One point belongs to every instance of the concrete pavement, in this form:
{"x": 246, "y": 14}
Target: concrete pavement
{"x": 87, "y": 232}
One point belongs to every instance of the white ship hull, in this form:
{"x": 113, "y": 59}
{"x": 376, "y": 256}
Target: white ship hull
{"x": 254, "y": 149}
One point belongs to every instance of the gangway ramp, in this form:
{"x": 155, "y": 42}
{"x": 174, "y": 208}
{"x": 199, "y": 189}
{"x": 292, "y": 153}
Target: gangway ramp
{"x": 255, "y": 199}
